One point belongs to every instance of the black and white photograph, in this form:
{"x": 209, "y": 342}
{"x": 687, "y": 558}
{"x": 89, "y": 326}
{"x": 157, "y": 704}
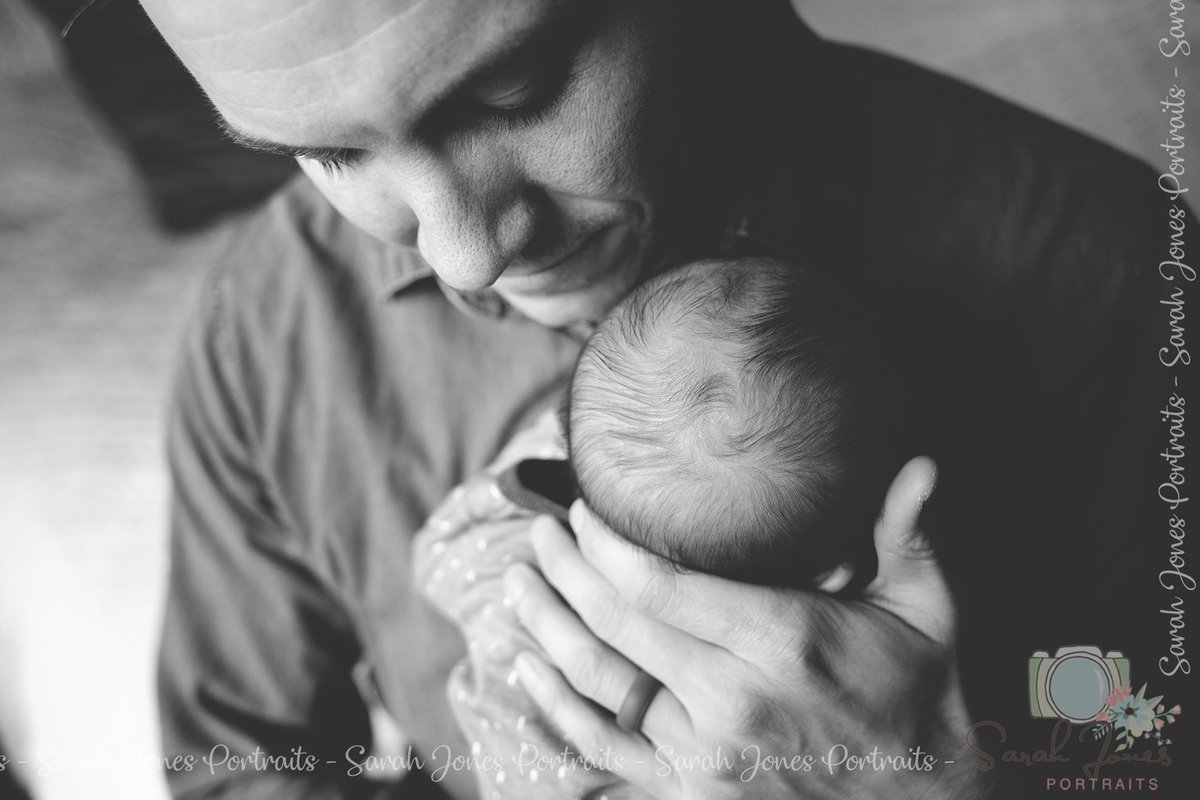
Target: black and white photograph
{"x": 607, "y": 399}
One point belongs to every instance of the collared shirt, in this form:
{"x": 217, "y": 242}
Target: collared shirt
{"x": 330, "y": 393}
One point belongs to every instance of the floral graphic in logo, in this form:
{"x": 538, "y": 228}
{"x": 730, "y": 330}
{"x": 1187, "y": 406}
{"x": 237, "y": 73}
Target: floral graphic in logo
{"x": 1134, "y": 716}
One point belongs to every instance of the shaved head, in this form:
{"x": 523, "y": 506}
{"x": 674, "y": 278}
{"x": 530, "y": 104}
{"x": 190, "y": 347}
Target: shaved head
{"x": 260, "y": 62}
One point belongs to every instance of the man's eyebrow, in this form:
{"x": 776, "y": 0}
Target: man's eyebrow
{"x": 276, "y": 148}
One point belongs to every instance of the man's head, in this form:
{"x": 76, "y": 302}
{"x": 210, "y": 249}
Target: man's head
{"x": 511, "y": 141}
{"x": 546, "y": 148}
{"x": 726, "y": 416}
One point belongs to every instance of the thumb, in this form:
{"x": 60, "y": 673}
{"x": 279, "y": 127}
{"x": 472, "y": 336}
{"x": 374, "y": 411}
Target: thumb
{"x": 910, "y": 582}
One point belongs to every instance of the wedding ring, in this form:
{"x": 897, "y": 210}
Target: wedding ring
{"x": 639, "y": 697}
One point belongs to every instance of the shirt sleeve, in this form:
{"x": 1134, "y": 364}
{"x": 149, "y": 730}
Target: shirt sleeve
{"x": 255, "y": 674}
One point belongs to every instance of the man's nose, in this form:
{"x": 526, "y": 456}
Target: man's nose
{"x": 469, "y": 221}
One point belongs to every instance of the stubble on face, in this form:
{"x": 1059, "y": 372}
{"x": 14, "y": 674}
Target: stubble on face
{"x": 558, "y": 211}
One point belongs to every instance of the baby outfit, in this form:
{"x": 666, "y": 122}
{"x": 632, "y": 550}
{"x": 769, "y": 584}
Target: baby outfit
{"x": 515, "y": 752}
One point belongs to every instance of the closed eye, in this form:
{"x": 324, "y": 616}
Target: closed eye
{"x": 332, "y": 161}
{"x": 524, "y": 89}
{"x": 507, "y": 92}
{"x": 525, "y": 95}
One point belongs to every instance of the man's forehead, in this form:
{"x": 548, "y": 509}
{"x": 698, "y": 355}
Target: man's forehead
{"x": 283, "y": 68}
{"x": 226, "y": 24}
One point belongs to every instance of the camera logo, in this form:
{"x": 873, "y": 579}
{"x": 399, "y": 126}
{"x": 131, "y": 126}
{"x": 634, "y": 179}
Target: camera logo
{"x": 1075, "y": 683}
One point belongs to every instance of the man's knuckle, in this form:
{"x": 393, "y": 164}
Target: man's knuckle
{"x": 591, "y": 741}
{"x": 584, "y": 669}
{"x": 551, "y": 702}
{"x": 778, "y": 647}
{"x": 735, "y": 633}
{"x": 753, "y": 716}
{"x": 658, "y": 597}
{"x": 606, "y": 618}
{"x": 529, "y": 612}
{"x": 807, "y": 643}
{"x": 809, "y": 656}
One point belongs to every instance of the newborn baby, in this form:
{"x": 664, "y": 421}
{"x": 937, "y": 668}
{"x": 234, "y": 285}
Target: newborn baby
{"x": 725, "y": 416}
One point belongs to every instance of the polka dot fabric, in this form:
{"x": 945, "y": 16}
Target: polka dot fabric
{"x": 515, "y": 752}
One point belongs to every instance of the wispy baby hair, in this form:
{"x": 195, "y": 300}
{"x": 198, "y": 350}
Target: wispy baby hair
{"x": 724, "y": 417}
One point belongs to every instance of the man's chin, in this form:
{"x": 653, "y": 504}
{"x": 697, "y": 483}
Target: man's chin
{"x": 588, "y": 284}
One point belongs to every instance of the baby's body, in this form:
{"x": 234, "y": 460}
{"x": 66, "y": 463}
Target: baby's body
{"x": 513, "y": 750}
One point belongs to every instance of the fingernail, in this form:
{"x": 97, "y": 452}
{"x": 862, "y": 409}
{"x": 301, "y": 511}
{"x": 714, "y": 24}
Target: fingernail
{"x": 932, "y": 486}
{"x": 836, "y": 579}
{"x": 516, "y": 581}
{"x": 924, "y": 497}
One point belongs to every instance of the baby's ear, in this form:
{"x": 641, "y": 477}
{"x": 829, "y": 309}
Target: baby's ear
{"x": 836, "y": 579}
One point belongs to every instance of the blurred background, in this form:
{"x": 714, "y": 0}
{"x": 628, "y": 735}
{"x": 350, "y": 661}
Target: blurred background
{"x": 114, "y": 186}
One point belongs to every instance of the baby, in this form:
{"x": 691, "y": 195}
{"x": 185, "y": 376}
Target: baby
{"x": 726, "y": 416}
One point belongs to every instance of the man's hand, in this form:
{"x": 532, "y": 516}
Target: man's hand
{"x": 754, "y": 679}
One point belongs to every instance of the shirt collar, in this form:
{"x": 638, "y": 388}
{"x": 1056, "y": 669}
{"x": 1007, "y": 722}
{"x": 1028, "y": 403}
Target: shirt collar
{"x": 401, "y": 268}
{"x": 397, "y": 268}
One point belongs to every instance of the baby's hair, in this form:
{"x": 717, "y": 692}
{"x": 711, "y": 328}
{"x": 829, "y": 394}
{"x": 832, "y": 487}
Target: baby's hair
{"x": 724, "y": 417}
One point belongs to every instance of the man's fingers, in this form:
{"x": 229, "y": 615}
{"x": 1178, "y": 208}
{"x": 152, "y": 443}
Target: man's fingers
{"x": 897, "y": 534}
{"x": 685, "y": 600}
{"x": 652, "y": 645}
{"x": 593, "y": 668}
{"x": 593, "y": 733}
{"x": 910, "y": 583}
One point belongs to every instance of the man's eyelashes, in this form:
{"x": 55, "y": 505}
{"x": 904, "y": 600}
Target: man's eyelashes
{"x": 524, "y": 93}
{"x": 534, "y": 102}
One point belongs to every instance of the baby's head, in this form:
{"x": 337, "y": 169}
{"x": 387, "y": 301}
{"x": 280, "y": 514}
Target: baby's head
{"x": 725, "y": 417}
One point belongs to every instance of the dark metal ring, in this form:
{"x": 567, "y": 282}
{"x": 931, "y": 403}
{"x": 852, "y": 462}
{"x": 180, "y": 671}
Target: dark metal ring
{"x": 637, "y": 700}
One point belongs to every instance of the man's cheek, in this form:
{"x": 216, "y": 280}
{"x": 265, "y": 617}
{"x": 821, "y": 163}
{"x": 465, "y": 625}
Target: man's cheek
{"x": 361, "y": 202}
{"x": 597, "y": 154}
